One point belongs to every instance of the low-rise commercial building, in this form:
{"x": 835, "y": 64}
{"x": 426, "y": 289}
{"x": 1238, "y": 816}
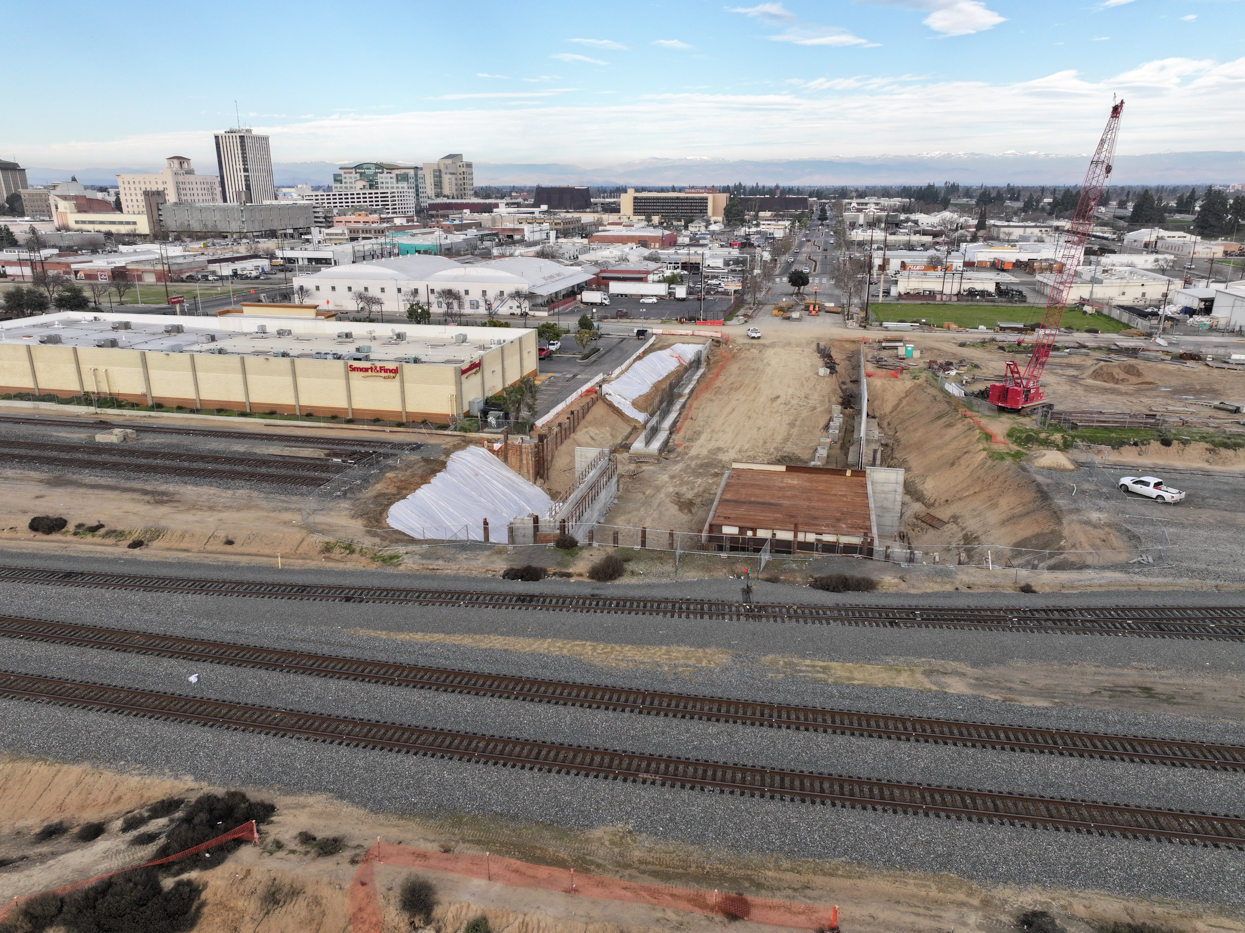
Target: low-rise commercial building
{"x": 1115, "y": 285}
{"x": 259, "y": 219}
{"x": 293, "y": 362}
{"x": 648, "y": 237}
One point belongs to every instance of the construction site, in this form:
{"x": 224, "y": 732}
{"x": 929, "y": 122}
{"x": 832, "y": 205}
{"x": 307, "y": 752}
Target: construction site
{"x": 785, "y": 622}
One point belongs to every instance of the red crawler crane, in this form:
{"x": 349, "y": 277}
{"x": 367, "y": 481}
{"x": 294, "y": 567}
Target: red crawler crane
{"x": 1019, "y": 390}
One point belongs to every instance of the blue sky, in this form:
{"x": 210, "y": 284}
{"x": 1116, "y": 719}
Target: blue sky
{"x": 605, "y": 83}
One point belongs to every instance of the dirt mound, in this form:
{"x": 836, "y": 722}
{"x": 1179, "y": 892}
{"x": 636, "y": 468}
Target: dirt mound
{"x": 1119, "y": 374}
{"x": 604, "y": 426}
{"x": 1050, "y": 460}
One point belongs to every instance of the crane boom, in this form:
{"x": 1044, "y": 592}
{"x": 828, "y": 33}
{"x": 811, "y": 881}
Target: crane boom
{"x": 1023, "y": 390}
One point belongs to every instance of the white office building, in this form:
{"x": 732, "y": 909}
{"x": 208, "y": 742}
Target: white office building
{"x": 245, "y": 164}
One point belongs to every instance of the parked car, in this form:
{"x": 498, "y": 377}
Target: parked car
{"x": 1150, "y": 486}
{"x": 542, "y": 353}
{"x": 650, "y": 300}
{"x": 754, "y": 333}
{"x": 554, "y": 346}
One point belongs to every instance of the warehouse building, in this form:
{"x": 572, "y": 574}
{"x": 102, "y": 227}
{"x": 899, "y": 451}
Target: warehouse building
{"x": 285, "y": 359}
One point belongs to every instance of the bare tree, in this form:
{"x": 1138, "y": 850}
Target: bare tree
{"x": 50, "y": 282}
{"x": 301, "y": 294}
{"x": 548, "y": 251}
{"x": 98, "y": 290}
{"x": 367, "y": 303}
{"x": 121, "y": 287}
{"x": 452, "y": 298}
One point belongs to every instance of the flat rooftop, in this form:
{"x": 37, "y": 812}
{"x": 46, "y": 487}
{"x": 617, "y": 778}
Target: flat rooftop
{"x": 240, "y": 335}
{"x": 760, "y": 498}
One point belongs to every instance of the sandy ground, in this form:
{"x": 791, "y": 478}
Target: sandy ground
{"x": 603, "y": 427}
{"x": 759, "y": 401}
{"x": 282, "y": 887}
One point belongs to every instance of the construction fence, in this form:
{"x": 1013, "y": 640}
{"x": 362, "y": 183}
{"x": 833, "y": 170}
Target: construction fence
{"x": 366, "y": 913}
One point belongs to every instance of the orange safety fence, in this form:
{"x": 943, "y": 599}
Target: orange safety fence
{"x": 994, "y": 438}
{"x": 246, "y": 831}
{"x": 365, "y": 912}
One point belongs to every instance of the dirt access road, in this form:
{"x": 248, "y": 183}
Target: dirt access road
{"x": 759, "y": 401}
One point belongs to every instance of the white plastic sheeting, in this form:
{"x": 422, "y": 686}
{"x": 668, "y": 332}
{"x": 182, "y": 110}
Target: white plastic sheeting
{"x": 645, "y": 373}
{"x": 474, "y": 486}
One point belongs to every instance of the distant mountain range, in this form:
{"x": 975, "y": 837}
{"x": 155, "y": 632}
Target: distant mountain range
{"x": 1158, "y": 168}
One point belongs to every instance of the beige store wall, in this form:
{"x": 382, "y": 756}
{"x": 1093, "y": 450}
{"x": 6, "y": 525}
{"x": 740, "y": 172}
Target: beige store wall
{"x": 393, "y": 391}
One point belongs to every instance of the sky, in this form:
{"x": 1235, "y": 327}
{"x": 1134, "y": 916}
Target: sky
{"x": 592, "y": 83}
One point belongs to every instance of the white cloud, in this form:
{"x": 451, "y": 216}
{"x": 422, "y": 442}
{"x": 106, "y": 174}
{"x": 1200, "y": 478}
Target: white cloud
{"x": 572, "y": 58}
{"x": 1116, "y": 2}
{"x": 1100, "y": 39}
{"x": 671, "y": 44}
{"x": 819, "y": 35}
{"x": 953, "y": 17}
{"x": 599, "y": 43}
{"x": 1190, "y": 18}
{"x": 1172, "y": 103}
{"x": 509, "y": 94}
{"x": 542, "y": 78}
{"x": 772, "y": 12}
{"x": 481, "y": 74}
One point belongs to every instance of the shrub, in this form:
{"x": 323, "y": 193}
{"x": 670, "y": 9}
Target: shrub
{"x": 610, "y": 567}
{"x": 1027, "y": 588}
{"x": 478, "y": 925}
{"x": 565, "y": 542}
{"x": 51, "y": 831}
{"x": 330, "y": 845}
{"x": 528, "y": 573}
{"x": 418, "y": 898}
{"x": 207, "y": 817}
{"x": 88, "y": 831}
{"x": 1038, "y": 921}
{"x": 136, "y": 544}
{"x": 47, "y": 525}
{"x": 844, "y": 583}
{"x": 132, "y": 821}
{"x": 166, "y": 807}
{"x": 143, "y": 839}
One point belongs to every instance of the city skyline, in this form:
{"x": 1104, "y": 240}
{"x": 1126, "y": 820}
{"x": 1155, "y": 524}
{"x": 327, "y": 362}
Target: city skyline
{"x": 693, "y": 80}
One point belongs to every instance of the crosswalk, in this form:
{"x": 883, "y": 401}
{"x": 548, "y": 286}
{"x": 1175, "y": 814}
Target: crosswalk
{"x": 812, "y": 280}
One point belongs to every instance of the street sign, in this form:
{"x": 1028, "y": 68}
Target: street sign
{"x": 177, "y": 300}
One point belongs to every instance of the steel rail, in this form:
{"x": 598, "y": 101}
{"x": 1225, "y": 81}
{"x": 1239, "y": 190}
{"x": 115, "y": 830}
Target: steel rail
{"x": 127, "y": 466}
{"x": 1218, "y": 623}
{"x": 645, "y": 702}
{"x": 1081, "y": 816}
{"x": 325, "y": 467}
{"x": 293, "y": 440}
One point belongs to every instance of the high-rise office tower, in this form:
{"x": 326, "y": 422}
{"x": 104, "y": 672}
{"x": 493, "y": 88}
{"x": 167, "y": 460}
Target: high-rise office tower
{"x": 245, "y": 164}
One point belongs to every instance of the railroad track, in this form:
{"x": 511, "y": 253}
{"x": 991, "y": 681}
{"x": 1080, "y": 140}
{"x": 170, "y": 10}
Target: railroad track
{"x": 323, "y": 467}
{"x": 959, "y": 803}
{"x": 1217, "y": 623}
{"x": 292, "y": 440}
{"x": 129, "y": 466}
{"x": 644, "y": 702}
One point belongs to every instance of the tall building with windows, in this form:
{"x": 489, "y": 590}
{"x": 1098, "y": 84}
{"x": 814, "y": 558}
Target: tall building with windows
{"x": 450, "y": 177}
{"x": 178, "y": 181}
{"x": 12, "y": 179}
{"x": 383, "y": 187}
{"x": 245, "y": 164}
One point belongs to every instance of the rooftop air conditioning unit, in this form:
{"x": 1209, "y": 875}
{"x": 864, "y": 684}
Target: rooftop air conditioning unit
{"x": 322, "y": 355}
{"x": 363, "y": 348}
{"x": 285, "y": 332}
{"x": 261, "y": 328}
{"x": 106, "y": 342}
{"x": 217, "y": 350}
{"x": 345, "y": 335}
{"x": 460, "y": 338}
{"x": 280, "y": 352}
{"x": 410, "y": 359}
{"x": 121, "y": 325}
{"x": 399, "y": 335}
{"x": 174, "y": 329}
{"x": 207, "y": 338}
{"x": 50, "y": 338}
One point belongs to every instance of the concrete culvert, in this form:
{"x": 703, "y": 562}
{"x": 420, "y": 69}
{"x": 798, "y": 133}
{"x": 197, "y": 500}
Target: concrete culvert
{"x": 47, "y": 525}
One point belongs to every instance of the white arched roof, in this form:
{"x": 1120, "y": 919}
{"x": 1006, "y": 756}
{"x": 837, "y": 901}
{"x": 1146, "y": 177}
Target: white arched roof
{"x": 412, "y": 268}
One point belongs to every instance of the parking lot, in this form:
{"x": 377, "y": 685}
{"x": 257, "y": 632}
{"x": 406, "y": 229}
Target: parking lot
{"x": 663, "y": 308}
{"x": 563, "y": 374}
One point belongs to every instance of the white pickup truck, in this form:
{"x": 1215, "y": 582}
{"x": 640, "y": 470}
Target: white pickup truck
{"x": 1150, "y": 486}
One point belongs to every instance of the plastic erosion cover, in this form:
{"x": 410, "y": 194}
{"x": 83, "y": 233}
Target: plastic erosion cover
{"x": 474, "y": 486}
{"x": 645, "y": 373}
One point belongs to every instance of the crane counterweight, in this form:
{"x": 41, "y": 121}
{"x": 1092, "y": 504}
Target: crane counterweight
{"x": 1019, "y": 391}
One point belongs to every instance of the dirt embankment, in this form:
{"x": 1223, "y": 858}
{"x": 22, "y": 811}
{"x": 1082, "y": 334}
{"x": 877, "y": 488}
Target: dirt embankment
{"x": 950, "y": 473}
{"x": 603, "y": 427}
{"x": 284, "y": 885}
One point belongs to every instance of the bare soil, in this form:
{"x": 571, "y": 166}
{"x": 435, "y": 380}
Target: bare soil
{"x": 372, "y": 508}
{"x": 604, "y": 426}
{"x": 758, "y": 401}
{"x": 281, "y": 886}
{"x": 952, "y": 472}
